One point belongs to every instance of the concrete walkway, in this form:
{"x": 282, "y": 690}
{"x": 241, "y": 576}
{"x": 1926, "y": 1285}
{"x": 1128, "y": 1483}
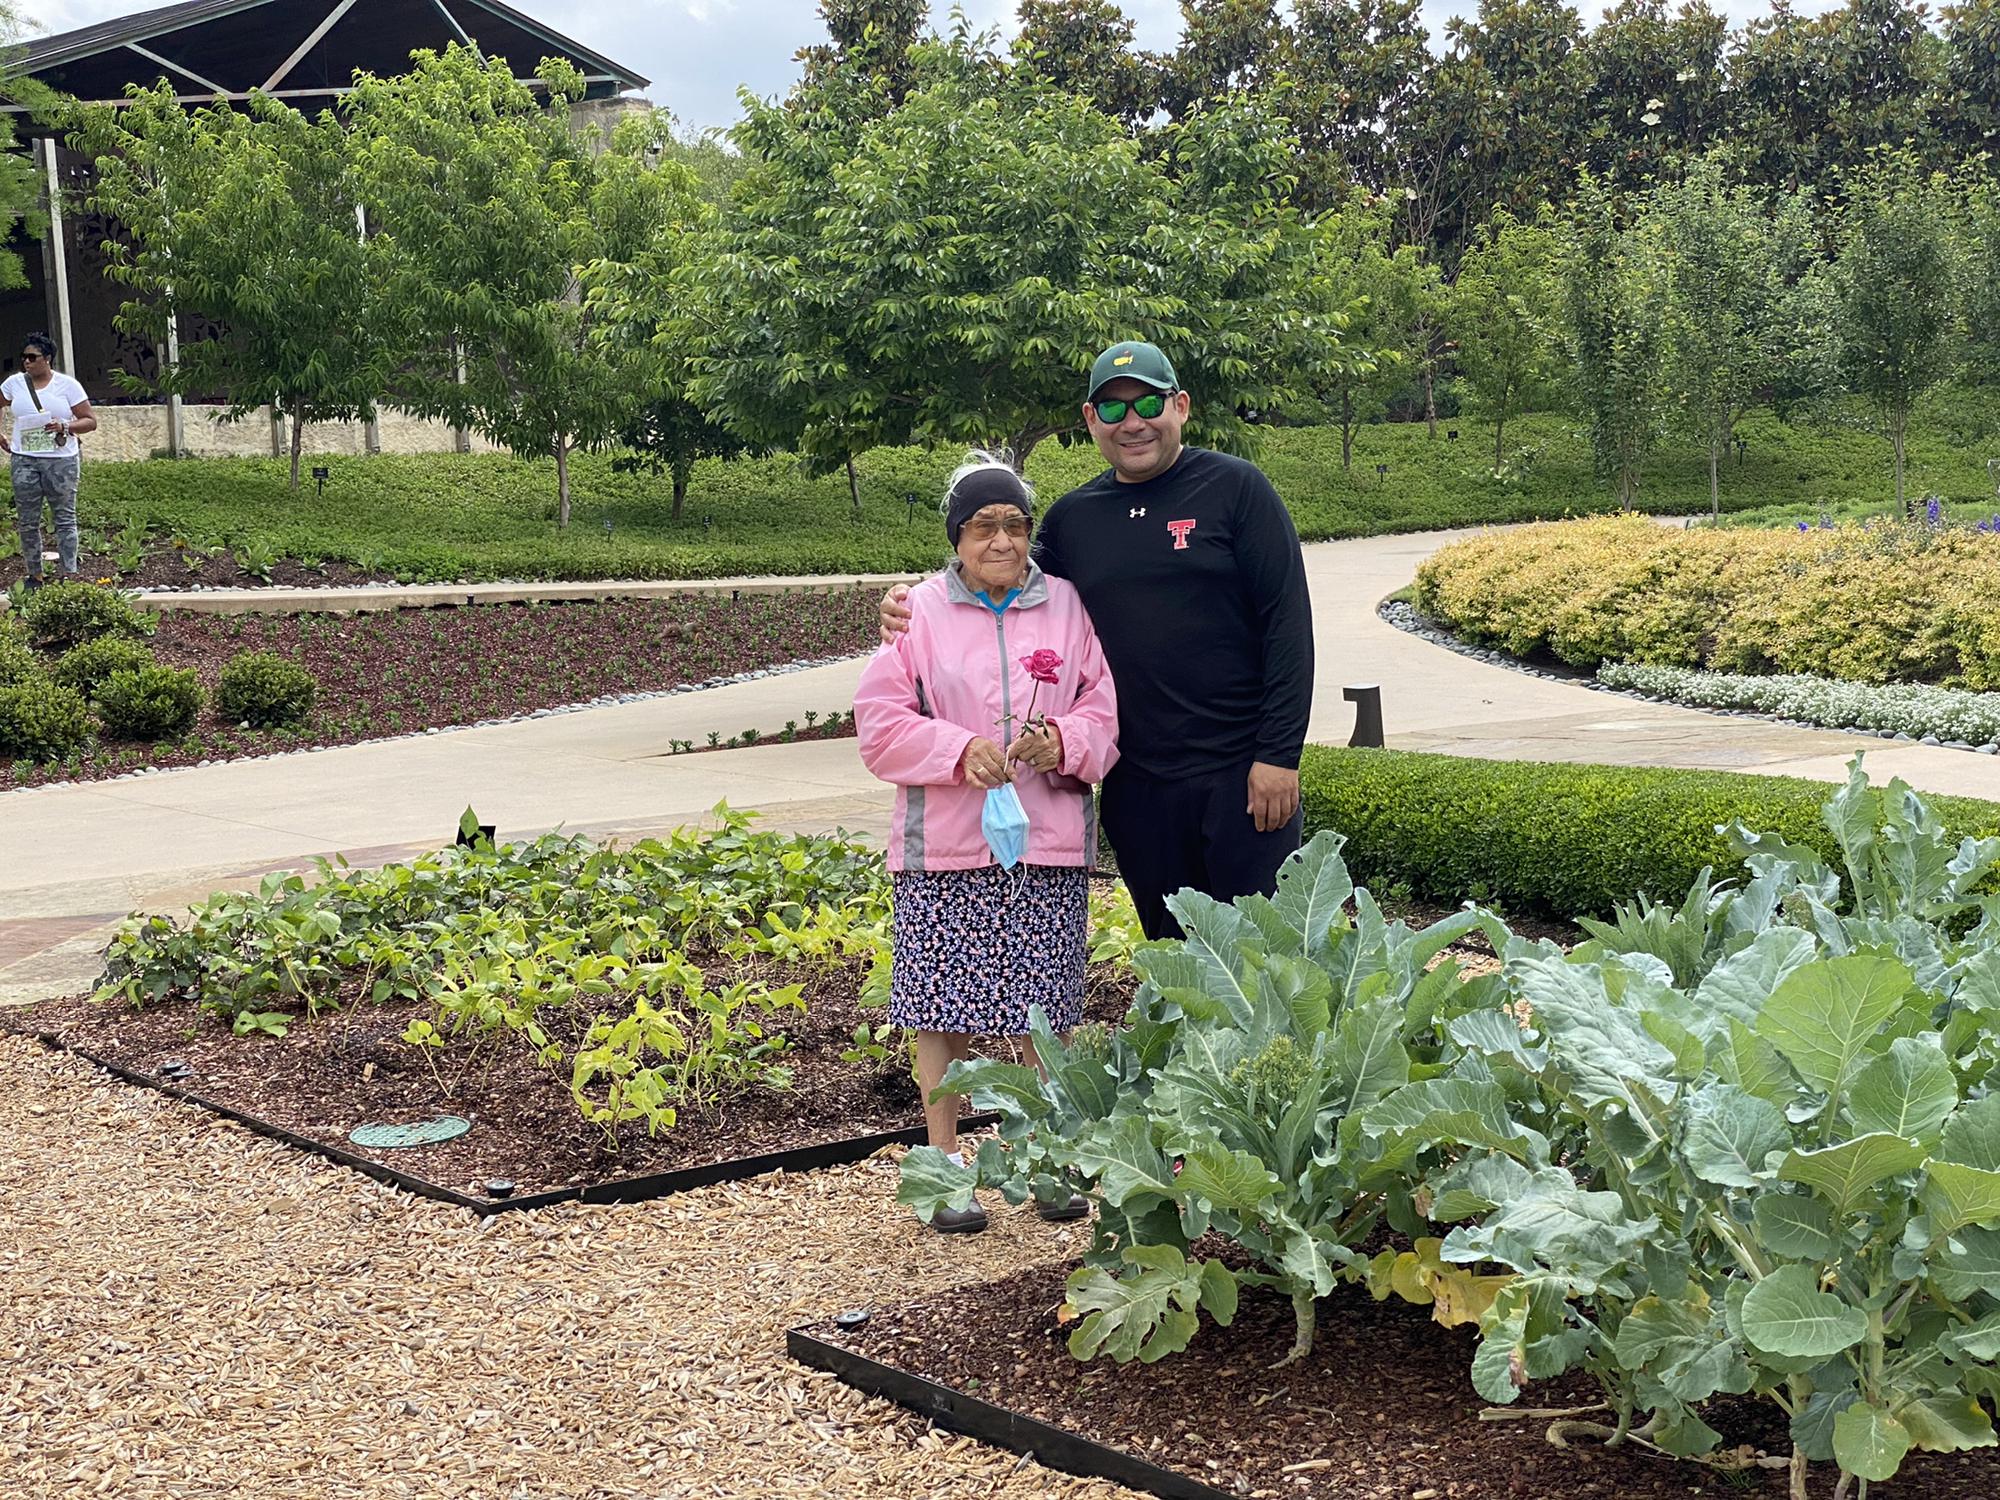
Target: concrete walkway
{"x": 73, "y": 858}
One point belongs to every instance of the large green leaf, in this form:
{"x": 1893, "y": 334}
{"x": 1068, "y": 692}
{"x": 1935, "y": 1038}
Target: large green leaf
{"x": 1684, "y": 1344}
{"x": 1787, "y": 1314}
{"x": 1368, "y": 1057}
{"x": 1477, "y": 1185}
{"x": 1740, "y": 1056}
{"x": 1314, "y": 888}
{"x": 1149, "y": 1311}
{"x": 1947, "y": 1423}
{"x": 1008, "y": 1087}
{"x": 1441, "y": 1111}
{"x": 1843, "y": 1174}
{"x": 1737, "y": 987}
{"x": 1909, "y": 1090}
{"x": 1585, "y": 1237}
{"x": 1603, "y": 1048}
{"x": 1868, "y": 1442}
{"x": 929, "y": 1180}
{"x": 1823, "y": 1016}
{"x": 1969, "y": 1263}
{"x": 1222, "y": 1178}
{"x": 1120, "y": 1155}
{"x": 1972, "y": 1136}
{"x": 1729, "y": 1134}
{"x": 1980, "y": 1341}
{"x": 1216, "y": 935}
{"x": 1956, "y": 1195}
{"x": 1795, "y": 1226}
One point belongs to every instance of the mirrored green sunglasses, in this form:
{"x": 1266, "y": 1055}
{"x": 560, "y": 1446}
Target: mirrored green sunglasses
{"x": 1148, "y": 406}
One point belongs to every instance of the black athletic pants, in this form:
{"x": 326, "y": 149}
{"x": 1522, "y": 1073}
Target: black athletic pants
{"x": 1189, "y": 831}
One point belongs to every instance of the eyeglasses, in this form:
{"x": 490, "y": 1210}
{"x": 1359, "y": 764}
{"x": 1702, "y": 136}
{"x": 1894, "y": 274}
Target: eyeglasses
{"x": 985, "y": 528}
{"x": 30, "y": 356}
{"x": 1148, "y": 406}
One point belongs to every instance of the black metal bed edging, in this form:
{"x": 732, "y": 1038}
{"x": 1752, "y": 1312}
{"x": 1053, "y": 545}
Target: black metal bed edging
{"x": 618, "y": 1190}
{"x": 1054, "y": 1447}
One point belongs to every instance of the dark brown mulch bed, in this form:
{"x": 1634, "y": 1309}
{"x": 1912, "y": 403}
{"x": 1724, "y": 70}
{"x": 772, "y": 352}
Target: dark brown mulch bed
{"x": 1382, "y": 1409}
{"x": 400, "y": 671}
{"x": 350, "y": 1066}
{"x": 168, "y": 567}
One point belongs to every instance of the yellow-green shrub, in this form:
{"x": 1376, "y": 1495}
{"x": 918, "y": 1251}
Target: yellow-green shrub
{"x": 1883, "y": 603}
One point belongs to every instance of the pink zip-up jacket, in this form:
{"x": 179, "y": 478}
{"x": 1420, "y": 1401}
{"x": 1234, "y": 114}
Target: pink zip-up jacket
{"x": 950, "y": 679}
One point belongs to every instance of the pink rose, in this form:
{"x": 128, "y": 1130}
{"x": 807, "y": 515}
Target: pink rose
{"x": 1042, "y": 665}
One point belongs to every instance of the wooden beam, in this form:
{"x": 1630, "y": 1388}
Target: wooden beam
{"x": 168, "y": 63}
{"x": 311, "y": 41}
{"x": 45, "y": 148}
{"x": 325, "y": 93}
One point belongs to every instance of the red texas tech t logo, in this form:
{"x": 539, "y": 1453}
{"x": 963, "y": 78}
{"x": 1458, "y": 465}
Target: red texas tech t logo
{"x": 1180, "y": 529}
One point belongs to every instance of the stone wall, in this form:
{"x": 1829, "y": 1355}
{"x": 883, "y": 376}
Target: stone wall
{"x": 140, "y": 431}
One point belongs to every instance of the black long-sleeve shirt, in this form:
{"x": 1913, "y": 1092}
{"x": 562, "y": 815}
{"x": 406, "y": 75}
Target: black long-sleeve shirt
{"x": 1197, "y": 587}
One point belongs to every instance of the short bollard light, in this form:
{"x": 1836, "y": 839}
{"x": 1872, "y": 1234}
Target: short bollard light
{"x": 1367, "y": 701}
{"x": 1452, "y": 433}
{"x": 498, "y": 1187}
{"x": 607, "y": 528}
{"x": 1381, "y": 471}
{"x": 853, "y": 1317}
{"x": 320, "y": 474}
{"x": 911, "y": 499}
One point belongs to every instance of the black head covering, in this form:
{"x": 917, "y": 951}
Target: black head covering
{"x": 979, "y": 489}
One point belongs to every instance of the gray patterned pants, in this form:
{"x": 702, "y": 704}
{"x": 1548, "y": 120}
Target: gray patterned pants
{"x": 53, "y": 480}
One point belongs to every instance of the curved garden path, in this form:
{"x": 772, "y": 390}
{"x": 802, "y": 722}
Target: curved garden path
{"x": 73, "y": 858}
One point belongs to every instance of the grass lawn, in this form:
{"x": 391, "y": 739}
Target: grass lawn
{"x": 490, "y": 516}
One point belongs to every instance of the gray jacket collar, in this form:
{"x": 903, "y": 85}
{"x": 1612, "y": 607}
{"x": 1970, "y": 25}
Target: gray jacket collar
{"x": 958, "y": 591}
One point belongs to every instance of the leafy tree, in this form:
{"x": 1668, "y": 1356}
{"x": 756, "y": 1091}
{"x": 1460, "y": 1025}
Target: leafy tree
{"x": 1356, "y": 68}
{"x": 249, "y": 219}
{"x": 875, "y": 36}
{"x": 1498, "y": 309}
{"x": 947, "y": 271}
{"x": 20, "y": 190}
{"x": 1815, "y": 96}
{"x": 1386, "y": 325}
{"x": 1608, "y": 329}
{"x": 1654, "y": 88}
{"x": 1519, "y": 83}
{"x": 1980, "y": 256}
{"x": 1735, "y": 267}
{"x": 1897, "y": 290}
{"x": 1968, "y": 94}
{"x": 1085, "y": 47}
{"x": 1226, "y": 47}
{"x": 488, "y": 207}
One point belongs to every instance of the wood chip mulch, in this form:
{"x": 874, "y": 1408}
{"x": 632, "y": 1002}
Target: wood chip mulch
{"x": 189, "y": 1310}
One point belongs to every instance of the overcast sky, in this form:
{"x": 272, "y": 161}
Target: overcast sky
{"x": 699, "y": 52}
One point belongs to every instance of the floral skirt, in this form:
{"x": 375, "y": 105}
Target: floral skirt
{"x": 975, "y": 948}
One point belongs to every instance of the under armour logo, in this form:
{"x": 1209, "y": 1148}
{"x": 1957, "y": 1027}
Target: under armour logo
{"x": 1133, "y": 515}
{"x": 1180, "y": 529}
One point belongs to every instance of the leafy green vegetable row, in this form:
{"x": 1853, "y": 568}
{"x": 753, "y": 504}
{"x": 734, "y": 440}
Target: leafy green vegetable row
{"x": 1741, "y": 1145}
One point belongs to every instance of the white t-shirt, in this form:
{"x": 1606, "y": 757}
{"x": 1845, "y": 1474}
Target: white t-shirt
{"x": 58, "y": 400}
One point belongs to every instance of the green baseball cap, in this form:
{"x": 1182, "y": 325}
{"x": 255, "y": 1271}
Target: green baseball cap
{"x": 1145, "y": 363}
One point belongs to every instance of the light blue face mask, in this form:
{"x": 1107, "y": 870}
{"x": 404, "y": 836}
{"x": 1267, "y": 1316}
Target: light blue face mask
{"x": 1005, "y": 824}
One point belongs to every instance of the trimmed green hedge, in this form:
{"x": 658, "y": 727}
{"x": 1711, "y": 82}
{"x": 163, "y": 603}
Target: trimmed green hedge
{"x": 1561, "y": 840}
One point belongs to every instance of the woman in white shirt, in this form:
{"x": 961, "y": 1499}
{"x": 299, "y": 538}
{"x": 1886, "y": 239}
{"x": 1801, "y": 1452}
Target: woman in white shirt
{"x": 49, "y": 410}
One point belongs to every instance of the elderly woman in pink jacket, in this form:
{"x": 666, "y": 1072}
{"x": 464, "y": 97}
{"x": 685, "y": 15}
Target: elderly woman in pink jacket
{"x": 993, "y": 715}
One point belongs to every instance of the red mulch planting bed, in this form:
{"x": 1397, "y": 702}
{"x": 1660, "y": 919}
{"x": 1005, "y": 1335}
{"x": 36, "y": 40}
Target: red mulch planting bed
{"x": 1382, "y": 1409}
{"x": 350, "y": 1067}
{"x": 400, "y": 671}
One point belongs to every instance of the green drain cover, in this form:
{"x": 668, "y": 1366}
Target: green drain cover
{"x": 423, "y": 1133}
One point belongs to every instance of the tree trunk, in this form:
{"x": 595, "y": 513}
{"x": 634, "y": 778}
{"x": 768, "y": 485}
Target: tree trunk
{"x": 562, "y": 480}
{"x": 853, "y": 485}
{"x": 1714, "y": 483}
{"x": 1347, "y": 430}
{"x": 1430, "y": 386}
{"x": 298, "y": 442}
{"x": 682, "y": 468}
{"x": 1896, "y": 442}
{"x": 1019, "y": 446}
{"x": 1499, "y": 429}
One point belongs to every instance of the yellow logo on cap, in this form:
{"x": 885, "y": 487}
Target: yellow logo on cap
{"x": 1123, "y": 359}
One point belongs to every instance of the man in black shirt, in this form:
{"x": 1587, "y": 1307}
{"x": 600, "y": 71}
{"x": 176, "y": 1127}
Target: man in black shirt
{"x": 1190, "y": 567}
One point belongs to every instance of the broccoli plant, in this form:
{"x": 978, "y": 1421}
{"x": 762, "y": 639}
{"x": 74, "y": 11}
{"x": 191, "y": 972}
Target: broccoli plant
{"x": 1274, "y": 1081}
